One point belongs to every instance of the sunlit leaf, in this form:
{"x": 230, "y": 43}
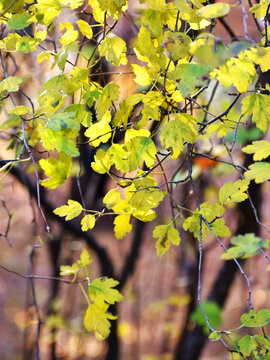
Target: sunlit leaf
{"x": 85, "y": 28}
{"x": 213, "y": 11}
{"x": 70, "y": 211}
{"x": 257, "y": 105}
{"x": 102, "y": 290}
{"x": 259, "y": 172}
{"x": 97, "y": 319}
{"x": 66, "y": 270}
{"x": 114, "y": 49}
{"x": 260, "y": 149}
{"x": 57, "y": 170}
{"x": 233, "y": 192}
{"x": 88, "y": 222}
{"x": 122, "y": 225}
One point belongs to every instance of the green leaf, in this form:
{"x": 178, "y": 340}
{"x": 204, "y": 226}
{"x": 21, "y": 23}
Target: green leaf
{"x": 233, "y": 192}
{"x": 253, "y": 319}
{"x": 101, "y": 291}
{"x": 263, "y": 341}
{"x": 61, "y": 58}
{"x": 19, "y": 21}
{"x": 246, "y": 345}
{"x": 88, "y": 222}
{"x": 72, "y": 210}
{"x": 176, "y": 132}
{"x": 245, "y": 246}
{"x": 141, "y": 149}
{"x": 85, "y": 259}
{"x": 10, "y": 84}
{"x": 187, "y": 73}
{"x": 58, "y": 171}
{"x": 257, "y": 106}
{"x": 213, "y": 313}
{"x": 64, "y": 120}
{"x": 259, "y": 171}
{"x": 114, "y": 49}
{"x": 260, "y": 149}
{"x": 60, "y": 140}
{"x": 166, "y": 235}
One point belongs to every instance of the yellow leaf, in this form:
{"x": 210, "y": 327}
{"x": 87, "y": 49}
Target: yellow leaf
{"x": 153, "y": 98}
{"x": 85, "y": 28}
{"x": 239, "y": 72}
{"x": 20, "y": 110}
{"x": 260, "y": 149}
{"x": 260, "y": 10}
{"x": 261, "y": 56}
{"x": 66, "y": 270}
{"x": 102, "y": 162}
{"x": 259, "y": 172}
{"x": 213, "y": 11}
{"x": 166, "y": 235}
{"x": 72, "y": 210}
{"x": 122, "y": 225}
{"x": 144, "y": 215}
{"x": 70, "y": 34}
{"x": 233, "y": 192}
{"x": 44, "y": 55}
{"x": 100, "y": 131}
{"x": 176, "y": 132}
{"x": 101, "y": 291}
{"x": 119, "y": 157}
{"x": 85, "y": 259}
{"x": 74, "y": 4}
{"x": 111, "y": 198}
{"x": 88, "y": 222}
{"x": 114, "y": 49}
{"x": 58, "y": 171}
{"x": 97, "y": 319}
{"x": 132, "y": 133}
{"x": 257, "y": 105}
{"x": 143, "y": 77}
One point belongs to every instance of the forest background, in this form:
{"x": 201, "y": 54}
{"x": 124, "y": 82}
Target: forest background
{"x": 134, "y": 180}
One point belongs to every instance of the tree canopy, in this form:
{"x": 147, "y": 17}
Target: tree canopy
{"x": 185, "y": 150}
